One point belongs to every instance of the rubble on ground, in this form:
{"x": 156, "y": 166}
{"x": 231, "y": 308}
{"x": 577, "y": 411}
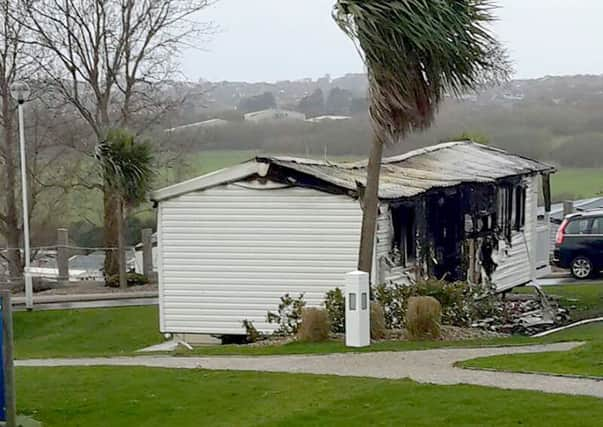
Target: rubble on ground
{"x": 526, "y": 314}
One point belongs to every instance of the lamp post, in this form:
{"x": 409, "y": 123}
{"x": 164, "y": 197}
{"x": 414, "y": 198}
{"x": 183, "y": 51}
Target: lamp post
{"x": 20, "y": 92}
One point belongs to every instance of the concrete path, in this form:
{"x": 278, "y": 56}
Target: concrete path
{"x": 430, "y": 366}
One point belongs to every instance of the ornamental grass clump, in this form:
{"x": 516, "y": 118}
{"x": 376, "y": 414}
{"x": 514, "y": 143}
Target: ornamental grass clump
{"x": 314, "y": 325}
{"x": 423, "y": 318}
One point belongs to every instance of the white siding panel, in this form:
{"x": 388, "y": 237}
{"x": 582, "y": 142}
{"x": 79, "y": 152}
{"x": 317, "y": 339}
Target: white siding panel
{"x": 517, "y": 264}
{"x": 385, "y": 232}
{"x": 229, "y": 253}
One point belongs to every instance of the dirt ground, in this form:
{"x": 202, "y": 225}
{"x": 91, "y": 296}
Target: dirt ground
{"x": 90, "y": 287}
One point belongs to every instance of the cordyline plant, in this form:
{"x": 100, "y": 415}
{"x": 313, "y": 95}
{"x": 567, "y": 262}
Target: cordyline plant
{"x": 416, "y": 52}
{"x": 127, "y": 168}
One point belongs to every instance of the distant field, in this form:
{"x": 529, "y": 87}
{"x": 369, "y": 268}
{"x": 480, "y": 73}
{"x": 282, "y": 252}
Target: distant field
{"x": 577, "y": 183}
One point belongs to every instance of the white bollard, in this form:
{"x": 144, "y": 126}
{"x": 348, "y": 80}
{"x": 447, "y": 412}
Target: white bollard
{"x": 357, "y": 310}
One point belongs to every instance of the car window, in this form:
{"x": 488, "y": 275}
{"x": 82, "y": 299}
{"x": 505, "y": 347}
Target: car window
{"x": 579, "y": 226}
{"x": 597, "y": 226}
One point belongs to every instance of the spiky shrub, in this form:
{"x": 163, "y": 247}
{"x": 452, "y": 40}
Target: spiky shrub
{"x": 335, "y": 306}
{"x": 423, "y": 318}
{"x": 314, "y": 325}
{"x": 289, "y": 315}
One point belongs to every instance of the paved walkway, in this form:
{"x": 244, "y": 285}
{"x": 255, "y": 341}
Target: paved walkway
{"x": 430, "y": 366}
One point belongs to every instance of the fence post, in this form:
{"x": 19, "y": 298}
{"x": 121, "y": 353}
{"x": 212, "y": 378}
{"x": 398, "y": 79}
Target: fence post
{"x": 10, "y": 404}
{"x": 568, "y": 208}
{"x": 147, "y": 253}
{"x": 63, "y": 255}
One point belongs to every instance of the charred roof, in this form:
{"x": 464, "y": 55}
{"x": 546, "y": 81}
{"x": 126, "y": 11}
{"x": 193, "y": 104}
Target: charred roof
{"x": 409, "y": 175}
{"x": 416, "y": 172}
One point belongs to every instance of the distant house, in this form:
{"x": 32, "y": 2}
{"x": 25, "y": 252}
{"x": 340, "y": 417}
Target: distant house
{"x": 231, "y": 243}
{"x": 205, "y": 124}
{"x": 321, "y": 119}
{"x": 274, "y": 115}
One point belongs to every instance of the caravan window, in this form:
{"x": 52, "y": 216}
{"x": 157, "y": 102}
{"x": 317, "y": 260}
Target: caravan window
{"x": 511, "y": 209}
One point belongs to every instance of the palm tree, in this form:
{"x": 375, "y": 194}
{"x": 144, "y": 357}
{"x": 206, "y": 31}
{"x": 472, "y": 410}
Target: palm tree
{"x": 127, "y": 167}
{"x": 416, "y": 52}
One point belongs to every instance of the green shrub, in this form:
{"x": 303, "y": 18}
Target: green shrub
{"x": 314, "y": 325}
{"x": 461, "y": 303}
{"x": 335, "y": 306}
{"x": 289, "y": 315}
{"x": 423, "y": 318}
{"x": 378, "y": 330}
{"x": 134, "y": 279}
{"x": 394, "y": 300}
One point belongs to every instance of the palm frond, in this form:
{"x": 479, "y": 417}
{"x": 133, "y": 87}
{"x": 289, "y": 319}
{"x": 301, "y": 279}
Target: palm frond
{"x": 127, "y": 165}
{"x": 416, "y": 51}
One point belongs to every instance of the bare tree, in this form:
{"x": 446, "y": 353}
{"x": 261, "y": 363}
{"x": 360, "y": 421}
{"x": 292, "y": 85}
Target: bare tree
{"x": 111, "y": 59}
{"x": 13, "y": 63}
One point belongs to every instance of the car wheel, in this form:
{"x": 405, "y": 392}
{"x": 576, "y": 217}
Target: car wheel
{"x": 582, "y": 268}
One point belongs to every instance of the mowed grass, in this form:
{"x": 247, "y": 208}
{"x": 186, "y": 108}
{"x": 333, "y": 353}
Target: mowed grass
{"x": 584, "y": 302}
{"x": 578, "y": 183}
{"x": 90, "y": 332}
{"x": 122, "y": 331}
{"x": 584, "y": 361}
{"x": 145, "y": 397}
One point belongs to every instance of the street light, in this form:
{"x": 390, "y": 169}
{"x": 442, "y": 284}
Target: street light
{"x": 20, "y": 92}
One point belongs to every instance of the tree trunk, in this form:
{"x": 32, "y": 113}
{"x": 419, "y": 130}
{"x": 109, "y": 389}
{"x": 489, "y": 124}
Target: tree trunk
{"x": 13, "y": 232}
{"x": 111, "y": 231}
{"x": 370, "y": 203}
{"x": 123, "y": 278}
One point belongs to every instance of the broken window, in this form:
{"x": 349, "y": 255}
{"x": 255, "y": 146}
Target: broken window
{"x": 405, "y": 229}
{"x": 520, "y": 208}
{"x": 511, "y": 208}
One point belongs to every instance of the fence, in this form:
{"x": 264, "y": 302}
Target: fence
{"x": 65, "y": 266}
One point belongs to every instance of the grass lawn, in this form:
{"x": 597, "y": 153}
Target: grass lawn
{"x": 90, "y": 332}
{"x": 158, "y": 397}
{"x": 586, "y": 360}
{"x": 118, "y": 331}
{"x": 579, "y": 183}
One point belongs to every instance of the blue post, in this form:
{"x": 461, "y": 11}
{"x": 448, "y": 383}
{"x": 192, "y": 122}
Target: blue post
{"x": 8, "y": 407}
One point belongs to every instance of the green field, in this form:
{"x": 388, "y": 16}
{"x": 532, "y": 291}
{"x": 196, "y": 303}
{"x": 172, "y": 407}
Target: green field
{"x": 65, "y": 397}
{"x": 577, "y": 183}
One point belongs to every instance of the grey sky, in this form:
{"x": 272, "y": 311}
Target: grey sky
{"x": 268, "y": 40}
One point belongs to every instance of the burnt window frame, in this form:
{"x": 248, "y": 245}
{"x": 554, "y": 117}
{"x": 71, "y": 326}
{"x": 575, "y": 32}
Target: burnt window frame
{"x": 511, "y": 207}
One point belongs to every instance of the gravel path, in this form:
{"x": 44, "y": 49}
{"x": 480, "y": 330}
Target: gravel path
{"x": 430, "y": 366}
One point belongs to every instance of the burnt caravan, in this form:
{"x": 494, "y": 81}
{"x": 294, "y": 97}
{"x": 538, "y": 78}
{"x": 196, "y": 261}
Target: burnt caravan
{"x": 231, "y": 243}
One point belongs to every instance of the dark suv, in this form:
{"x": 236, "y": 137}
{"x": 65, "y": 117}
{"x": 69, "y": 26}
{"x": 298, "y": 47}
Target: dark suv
{"x": 579, "y": 245}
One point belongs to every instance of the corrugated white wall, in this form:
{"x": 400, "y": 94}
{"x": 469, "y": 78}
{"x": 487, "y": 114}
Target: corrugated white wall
{"x": 517, "y": 264}
{"x": 229, "y": 253}
{"x": 384, "y": 237}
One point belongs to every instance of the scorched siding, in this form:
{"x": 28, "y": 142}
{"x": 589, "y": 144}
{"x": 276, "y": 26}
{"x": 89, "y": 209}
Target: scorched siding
{"x": 517, "y": 263}
{"x": 229, "y": 253}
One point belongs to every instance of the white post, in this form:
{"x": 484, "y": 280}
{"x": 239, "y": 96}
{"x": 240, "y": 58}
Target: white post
{"x": 27, "y": 252}
{"x": 357, "y": 310}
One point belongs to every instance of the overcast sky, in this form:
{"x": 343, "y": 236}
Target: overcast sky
{"x": 269, "y": 40}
